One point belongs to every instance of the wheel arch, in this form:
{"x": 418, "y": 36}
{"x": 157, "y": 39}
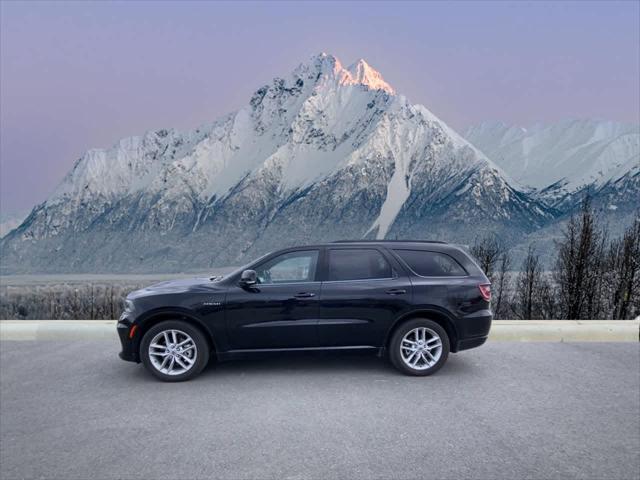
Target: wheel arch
{"x": 441, "y": 318}
{"x": 158, "y": 316}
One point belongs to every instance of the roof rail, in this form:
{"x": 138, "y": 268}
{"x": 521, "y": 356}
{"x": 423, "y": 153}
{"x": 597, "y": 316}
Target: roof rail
{"x": 389, "y": 241}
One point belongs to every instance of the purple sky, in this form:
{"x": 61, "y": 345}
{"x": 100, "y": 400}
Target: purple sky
{"x": 80, "y": 75}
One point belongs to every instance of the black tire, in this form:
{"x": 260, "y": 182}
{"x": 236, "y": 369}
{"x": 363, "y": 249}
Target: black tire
{"x": 395, "y": 353}
{"x": 201, "y": 349}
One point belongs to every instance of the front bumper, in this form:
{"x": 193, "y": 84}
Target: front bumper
{"x": 129, "y": 346}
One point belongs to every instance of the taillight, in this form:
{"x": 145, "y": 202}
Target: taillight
{"x": 485, "y": 291}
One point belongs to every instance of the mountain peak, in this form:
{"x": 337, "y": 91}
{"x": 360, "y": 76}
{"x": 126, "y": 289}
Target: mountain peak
{"x": 359, "y": 73}
{"x": 364, "y": 74}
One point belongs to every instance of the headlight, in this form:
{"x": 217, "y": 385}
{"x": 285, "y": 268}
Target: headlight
{"x": 128, "y": 305}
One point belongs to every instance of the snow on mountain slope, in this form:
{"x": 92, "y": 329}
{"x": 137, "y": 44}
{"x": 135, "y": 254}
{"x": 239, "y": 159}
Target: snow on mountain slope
{"x": 326, "y": 152}
{"x": 9, "y": 221}
{"x": 561, "y": 158}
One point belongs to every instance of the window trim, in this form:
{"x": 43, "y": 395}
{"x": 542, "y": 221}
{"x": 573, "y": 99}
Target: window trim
{"x": 405, "y": 264}
{"x": 280, "y": 254}
{"x": 360, "y": 280}
{"x": 326, "y": 269}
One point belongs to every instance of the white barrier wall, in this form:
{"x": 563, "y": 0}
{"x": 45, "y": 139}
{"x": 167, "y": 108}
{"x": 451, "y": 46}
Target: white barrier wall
{"x": 501, "y": 330}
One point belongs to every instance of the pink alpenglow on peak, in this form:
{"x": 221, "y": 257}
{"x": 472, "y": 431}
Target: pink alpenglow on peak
{"x": 360, "y": 73}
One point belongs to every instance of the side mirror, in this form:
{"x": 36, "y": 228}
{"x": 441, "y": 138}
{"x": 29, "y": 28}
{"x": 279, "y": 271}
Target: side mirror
{"x": 248, "y": 278}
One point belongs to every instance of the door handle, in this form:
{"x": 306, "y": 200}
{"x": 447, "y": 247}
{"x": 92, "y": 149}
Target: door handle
{"x": 396, "y": 291}
{"x": 305, "y": 295}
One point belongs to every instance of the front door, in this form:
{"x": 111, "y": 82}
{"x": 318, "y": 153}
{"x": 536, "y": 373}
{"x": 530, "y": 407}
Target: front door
{"x": 281, "y": 310}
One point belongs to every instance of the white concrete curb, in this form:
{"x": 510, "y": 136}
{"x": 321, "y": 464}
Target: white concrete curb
{"x": 565, "y": 331}
{"x": 58, "y": 330}
{"x": 501, "y": 330}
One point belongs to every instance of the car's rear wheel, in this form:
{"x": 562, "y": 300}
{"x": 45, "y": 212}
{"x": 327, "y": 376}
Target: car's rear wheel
{"x": 419, "y": 347}
{"x": 174, "y": 351}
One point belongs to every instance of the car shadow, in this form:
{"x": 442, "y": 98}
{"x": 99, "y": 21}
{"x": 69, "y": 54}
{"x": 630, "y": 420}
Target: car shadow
{"x": 332, "y": 364}
{"x": 326, "y": 363}
{"x": 309, "y": 363}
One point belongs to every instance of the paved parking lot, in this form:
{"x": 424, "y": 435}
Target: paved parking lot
{"x": 506, "y": 410}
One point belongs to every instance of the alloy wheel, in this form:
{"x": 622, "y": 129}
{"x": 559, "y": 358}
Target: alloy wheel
{"x": 172, "y": 352}
{"x": 421, "y": 348}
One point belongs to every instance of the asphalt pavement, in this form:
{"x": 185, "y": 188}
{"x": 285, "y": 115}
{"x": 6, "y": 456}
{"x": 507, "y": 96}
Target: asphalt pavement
{"x": 73, "y": 410}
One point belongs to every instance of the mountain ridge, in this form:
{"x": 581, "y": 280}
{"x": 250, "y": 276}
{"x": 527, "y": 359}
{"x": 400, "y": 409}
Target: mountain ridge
{"x": 565, "y": 160}
{"x": 326, "y": 152}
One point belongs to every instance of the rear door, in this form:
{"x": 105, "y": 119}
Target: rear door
{"x": 364, "y": 290}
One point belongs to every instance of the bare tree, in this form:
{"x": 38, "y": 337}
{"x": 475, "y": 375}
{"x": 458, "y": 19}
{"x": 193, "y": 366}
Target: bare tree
{"x": 546, "y": 303}
{"x": 495, "y": 261}
{"x": 530, "y": 287}
{"x": 577, "y": 268}
{"x": 595, "y": 304}
{"x": 487, "y": 251}
{"x": 623, "y": 271}
{"x": 501, "y": 286}
{"x": 62, "y": 301}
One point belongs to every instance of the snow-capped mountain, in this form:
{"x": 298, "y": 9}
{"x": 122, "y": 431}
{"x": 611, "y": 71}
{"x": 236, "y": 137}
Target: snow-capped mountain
{"x": 327, "y": 152}
{"x": 9, "y": 221}
{"x": 562, "y": 161}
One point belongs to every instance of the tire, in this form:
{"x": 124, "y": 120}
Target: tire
{"x": 194, "y": 348}
{"x": 429, "y": 356}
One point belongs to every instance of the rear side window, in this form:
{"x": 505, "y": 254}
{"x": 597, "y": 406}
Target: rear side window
{"x": 431, "y": 264}
{"x": 352, "y": 264}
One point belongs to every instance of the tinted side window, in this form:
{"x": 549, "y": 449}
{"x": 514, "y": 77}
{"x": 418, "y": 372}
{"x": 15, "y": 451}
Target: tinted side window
{"x": 289, "y": 267}
{"x": 431, "y": 264}
{"x": 352, "y": 264}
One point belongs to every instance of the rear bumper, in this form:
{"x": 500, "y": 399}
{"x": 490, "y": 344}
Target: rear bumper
{"x": 472, "y": 330}
{"x": 468, "y": 343}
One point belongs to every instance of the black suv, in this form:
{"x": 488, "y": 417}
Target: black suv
{"x": 415, "y": 301}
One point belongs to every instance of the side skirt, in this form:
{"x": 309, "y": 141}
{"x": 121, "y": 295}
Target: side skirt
{"x": 253, "y": 353}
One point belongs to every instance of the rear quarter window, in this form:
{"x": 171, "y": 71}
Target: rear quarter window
{"x": 431, "y": 264}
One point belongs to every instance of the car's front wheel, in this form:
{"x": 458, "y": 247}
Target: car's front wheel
{"x": 174, "y": 351}
{"x": 419, "y": 347}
